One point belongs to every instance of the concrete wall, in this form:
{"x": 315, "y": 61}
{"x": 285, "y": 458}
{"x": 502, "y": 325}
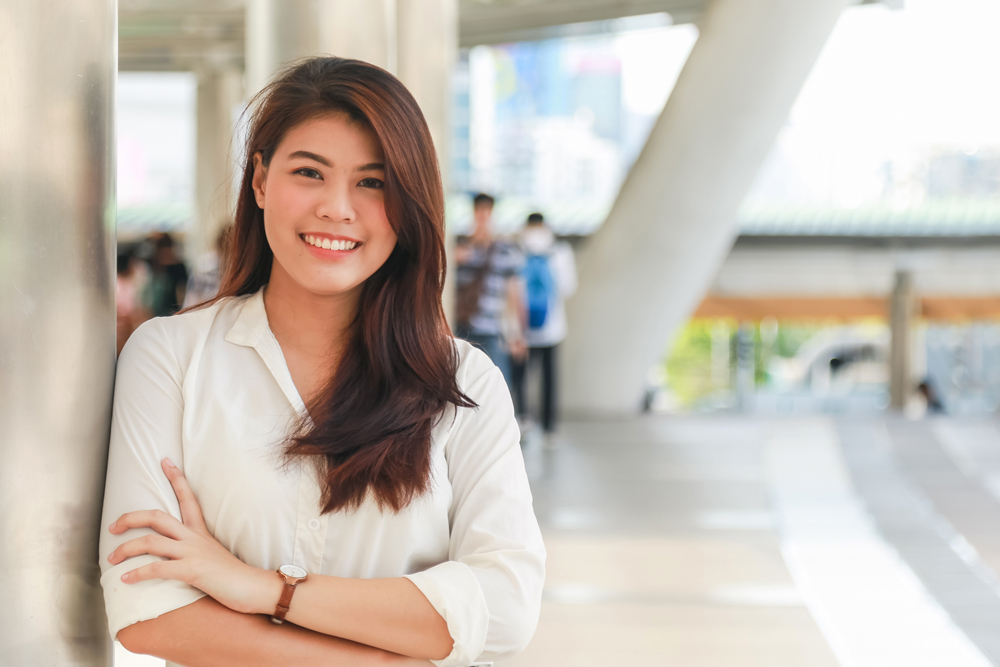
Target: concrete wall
{"x": 857, "y": 269}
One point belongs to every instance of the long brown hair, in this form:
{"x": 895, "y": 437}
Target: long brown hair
{"x": 372, "y": 422}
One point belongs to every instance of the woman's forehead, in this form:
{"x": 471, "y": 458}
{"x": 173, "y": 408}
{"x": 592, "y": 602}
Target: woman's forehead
{"x": 336, "y": 137}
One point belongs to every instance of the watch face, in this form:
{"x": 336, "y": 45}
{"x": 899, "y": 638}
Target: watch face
{"x": 292, "y": 571}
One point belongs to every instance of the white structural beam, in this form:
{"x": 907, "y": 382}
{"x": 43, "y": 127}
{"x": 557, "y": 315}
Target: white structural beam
{"x": 675, "y": 217}
{"x": 503, "y": 22}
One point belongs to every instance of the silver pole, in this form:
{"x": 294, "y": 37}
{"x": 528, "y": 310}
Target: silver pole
{"x": 902, "y": 310}
{"x": 58, "y": 61}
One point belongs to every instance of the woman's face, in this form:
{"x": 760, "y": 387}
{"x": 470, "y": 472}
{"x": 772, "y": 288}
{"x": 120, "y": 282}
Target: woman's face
{"x": 324, "y": 206}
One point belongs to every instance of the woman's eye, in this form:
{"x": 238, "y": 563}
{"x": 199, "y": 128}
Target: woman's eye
{"x": 308, "y": 172}
{"x": 371, "y": 183}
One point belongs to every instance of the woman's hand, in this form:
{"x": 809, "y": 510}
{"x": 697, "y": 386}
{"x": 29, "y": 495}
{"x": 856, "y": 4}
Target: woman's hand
{"x": 195, "y": 556}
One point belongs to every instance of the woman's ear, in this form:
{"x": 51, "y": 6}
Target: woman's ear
{"x": 259, "y": 178}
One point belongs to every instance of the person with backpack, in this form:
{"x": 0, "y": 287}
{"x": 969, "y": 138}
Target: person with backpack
{"x": 488, "y": 286}
{"x": 548, "y": 277}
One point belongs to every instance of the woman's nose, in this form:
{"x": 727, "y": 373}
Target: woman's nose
{"x": 336, "y": 204}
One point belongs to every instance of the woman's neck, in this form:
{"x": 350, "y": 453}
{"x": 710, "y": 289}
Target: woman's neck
{"x": 305, "y": 323}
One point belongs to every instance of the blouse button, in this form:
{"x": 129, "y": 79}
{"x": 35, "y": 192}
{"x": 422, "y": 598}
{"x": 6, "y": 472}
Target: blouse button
{"x": 314, "y": 524}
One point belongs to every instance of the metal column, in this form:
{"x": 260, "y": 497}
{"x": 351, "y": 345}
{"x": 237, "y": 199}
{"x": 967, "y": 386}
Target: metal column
{"x": 58, "y": 61}
{"x": 902, "y": 310}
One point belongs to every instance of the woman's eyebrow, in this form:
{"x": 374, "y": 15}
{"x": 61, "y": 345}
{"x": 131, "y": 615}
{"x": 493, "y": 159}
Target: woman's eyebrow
{"x": 371, "y": 166}
{"x": 310, "y": 156}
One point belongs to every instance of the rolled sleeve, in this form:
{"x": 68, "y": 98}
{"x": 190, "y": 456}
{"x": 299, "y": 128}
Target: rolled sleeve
{"x": 453, "y": 590}
{"x": 145, "y": 428}
{"x": 489, "y": 593}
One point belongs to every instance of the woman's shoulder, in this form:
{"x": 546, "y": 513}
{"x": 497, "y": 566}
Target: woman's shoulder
{"x": 474, "y": 367}
{"x": 184, "y": 331}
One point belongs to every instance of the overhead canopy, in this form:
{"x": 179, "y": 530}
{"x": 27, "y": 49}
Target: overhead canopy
{"x": 179, "y": 35}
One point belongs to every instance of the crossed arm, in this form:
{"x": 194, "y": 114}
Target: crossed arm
{"x": 337, "y": 621}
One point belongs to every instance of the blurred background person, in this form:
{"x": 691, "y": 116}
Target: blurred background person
{"x": 203, "y": 284}
{"x": 548, "y": 278}
{"x": 128, "y": 307}
{"x": 164, "y": 291}
{"x": 487, "y": 282}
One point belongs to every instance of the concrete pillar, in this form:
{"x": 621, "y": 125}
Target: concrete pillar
{"x": 644, "y": 272}
{"x": 427, "y": 50}
{"x": 219, "y": 95}
{"x": 58, "y": 65}
{"x": 278, "y": 31}
{"x": 902, "y": 311}
{"x": 361, "y": 30}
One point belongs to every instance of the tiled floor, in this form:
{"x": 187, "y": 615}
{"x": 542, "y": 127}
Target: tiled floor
{"x": 735, "y": 541}
{"x": 663, "y": 550}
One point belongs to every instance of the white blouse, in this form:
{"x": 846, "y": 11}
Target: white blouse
{"x": 211, "y": 390}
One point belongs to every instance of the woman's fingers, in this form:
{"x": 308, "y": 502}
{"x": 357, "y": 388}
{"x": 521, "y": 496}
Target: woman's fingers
{"x": 154, "y": 545}
{"x": 161, "y": 569}
{"x": 158, "y": 520}
{"x": 190, "y": 509}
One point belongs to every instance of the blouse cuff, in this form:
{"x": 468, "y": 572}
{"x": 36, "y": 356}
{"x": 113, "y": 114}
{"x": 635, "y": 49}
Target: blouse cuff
{"x": 453, "y": 590}
{"x": 130, "y": 603}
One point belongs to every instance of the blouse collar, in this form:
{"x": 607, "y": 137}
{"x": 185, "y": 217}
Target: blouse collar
{"x": 251, "y": 329}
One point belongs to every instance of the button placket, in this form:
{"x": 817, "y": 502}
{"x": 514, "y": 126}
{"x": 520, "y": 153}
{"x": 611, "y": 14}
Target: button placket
{"x": 299, "y": 555}
{"x": 314, "y": 524}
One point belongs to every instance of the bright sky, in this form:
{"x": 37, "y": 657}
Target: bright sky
{"x": 891, "y": 86}
{"x": 651, "y": 62}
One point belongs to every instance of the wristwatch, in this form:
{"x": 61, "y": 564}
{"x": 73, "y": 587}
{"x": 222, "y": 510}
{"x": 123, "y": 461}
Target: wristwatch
{"x": 293, "y": 575}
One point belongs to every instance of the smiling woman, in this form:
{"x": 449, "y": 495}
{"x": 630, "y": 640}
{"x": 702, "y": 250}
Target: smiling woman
{"x": 333, "y": 194}
{"x": 312, "y": 446}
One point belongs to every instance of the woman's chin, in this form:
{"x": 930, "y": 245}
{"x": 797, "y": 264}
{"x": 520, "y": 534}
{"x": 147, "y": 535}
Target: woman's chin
{"x": 330, "y": 288}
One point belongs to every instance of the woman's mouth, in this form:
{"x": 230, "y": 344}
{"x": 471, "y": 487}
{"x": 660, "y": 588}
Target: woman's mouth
{"x": 327, "y": 243}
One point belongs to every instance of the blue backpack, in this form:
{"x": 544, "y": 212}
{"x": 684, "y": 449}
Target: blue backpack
{"x": 540, "y": 287}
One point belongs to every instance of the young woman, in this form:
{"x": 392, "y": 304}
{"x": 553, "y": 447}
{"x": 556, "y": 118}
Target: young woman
{"x": 309, "y": 470}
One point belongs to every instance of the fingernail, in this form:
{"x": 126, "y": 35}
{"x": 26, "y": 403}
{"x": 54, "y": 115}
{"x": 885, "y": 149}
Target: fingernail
{"x": 169, "y": 462}
{"x": 111, "y": 556}
{"x": 125, "y": 576}
{"x": 112, "y": 526}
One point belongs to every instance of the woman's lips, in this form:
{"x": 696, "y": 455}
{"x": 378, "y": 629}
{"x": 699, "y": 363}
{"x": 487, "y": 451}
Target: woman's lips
{"x": 326, "y": 242}
{"x": 339, "y": 247}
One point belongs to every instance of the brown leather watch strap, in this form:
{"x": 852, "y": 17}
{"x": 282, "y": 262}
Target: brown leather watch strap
{"x": 292, "y": 576}
{"x": 284, "y": 603}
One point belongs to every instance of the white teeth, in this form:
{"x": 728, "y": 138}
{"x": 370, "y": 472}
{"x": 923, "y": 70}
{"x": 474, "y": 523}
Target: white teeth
{"x": 330, "y": 244}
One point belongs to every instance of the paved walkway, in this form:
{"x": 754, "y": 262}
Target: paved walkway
{"x": 738, "y": 542}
